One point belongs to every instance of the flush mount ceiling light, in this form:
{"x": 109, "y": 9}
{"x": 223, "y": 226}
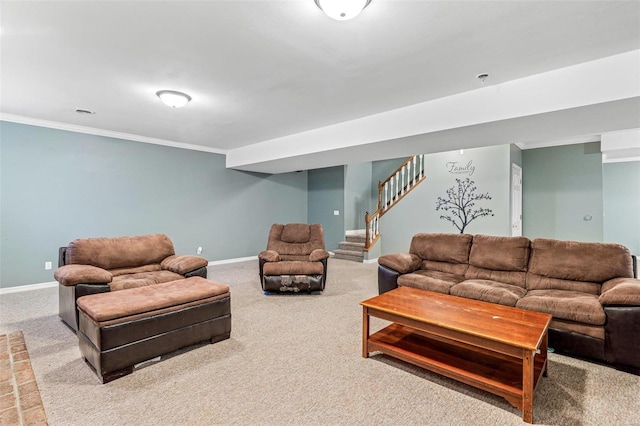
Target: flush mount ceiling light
{"x": 173, "y": 99}
{"x": 342, "y": 10}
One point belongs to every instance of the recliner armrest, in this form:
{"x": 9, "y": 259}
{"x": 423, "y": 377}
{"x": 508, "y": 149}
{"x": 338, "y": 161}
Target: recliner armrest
{"x": 183, "y": 263}
{"x": 269, "y": 256}
{"x": 70, "y": 275}
{"x": 621, "y": 291}
{"x": 401, "y": 262}
{"x": 318, "y": 254}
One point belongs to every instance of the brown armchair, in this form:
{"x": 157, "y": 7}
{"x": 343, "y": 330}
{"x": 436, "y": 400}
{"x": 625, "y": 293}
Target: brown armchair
{"x": 295, "y": 259}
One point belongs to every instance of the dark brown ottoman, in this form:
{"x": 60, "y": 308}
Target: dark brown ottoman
{"x": 122, "y": 328}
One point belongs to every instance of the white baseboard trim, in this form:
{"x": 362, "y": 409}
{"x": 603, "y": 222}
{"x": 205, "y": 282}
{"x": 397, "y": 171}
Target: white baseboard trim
{"x": 28, "y": 287}
{"x": 375, "y": 260}
{"x": 236, "y": 260}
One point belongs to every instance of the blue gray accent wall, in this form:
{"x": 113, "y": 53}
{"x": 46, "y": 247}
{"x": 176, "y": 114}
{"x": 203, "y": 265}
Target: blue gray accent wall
{"x": 562, "y": 192}
{"x": 57, "y": 185}
{"x": 326, "y": 194}
{"x": 489, "y": 168}
{"x": 621, "y": 200}
{"x": 357, "y": 194}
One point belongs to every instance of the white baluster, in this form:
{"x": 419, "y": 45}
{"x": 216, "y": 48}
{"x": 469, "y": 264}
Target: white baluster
{"x": 421, "y": 166}
{"x": 404, "y": 169}
{"x": 397, "y": 193}
{"x": 415, "y": 175}
{"x": 386, "y": 190}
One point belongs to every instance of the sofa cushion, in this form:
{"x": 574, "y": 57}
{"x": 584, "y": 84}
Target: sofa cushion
{"x": 119, "y": 252}
{"x": 450, "y": 248}
{"x": 437, "y": 281}
{"x": 143, "y": 279}
{"x": 295, "y": 267}
{"x": 457, "y": 269}
{"x": 506, "y": 277}
{"x": 489, "y": 291}
{"x": 500, "y": 253}
{"x": 137, "y": 270}
{"x": 568, "y": 305}
{"x": 538, "y": 282}
{"x": 579, "y": 261}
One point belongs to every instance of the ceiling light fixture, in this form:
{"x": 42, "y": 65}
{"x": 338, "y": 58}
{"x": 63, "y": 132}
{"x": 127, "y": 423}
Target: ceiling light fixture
{"x": 342, "y": 10}
{"x": 173, "y": 99}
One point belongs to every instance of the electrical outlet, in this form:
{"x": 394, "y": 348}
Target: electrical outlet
{"x": 199, "y": 250}
{"x": 48, "y": 265}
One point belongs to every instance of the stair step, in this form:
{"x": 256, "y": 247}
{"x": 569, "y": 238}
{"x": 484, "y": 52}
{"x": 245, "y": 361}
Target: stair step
{"x": 350, "y": 245}
{"x": 356, "y": 238}
{"x": 349, "y": 255}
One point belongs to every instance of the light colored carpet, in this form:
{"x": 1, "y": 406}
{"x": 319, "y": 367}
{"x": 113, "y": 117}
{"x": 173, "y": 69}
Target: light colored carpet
{"x": 294, "y": 359}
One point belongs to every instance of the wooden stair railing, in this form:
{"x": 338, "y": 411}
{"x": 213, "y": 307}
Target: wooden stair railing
{"x": 393, "y": 189}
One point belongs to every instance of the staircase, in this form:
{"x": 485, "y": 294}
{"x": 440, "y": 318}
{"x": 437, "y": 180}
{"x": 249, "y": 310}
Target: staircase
{"x": 393, "y": 189}
{"x": 353, "y": 248}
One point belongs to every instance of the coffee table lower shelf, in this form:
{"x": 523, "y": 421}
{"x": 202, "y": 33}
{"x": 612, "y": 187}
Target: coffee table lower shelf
{"x": 494, "y": 372}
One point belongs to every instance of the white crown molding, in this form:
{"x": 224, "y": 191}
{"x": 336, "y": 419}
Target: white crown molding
{"x": 107, "y": 133}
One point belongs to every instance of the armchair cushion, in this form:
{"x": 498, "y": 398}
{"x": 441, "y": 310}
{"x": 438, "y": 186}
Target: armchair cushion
{"x": 621, "y": 291}
{"x": 70, "y": 275}
{"x": 401, "y": 262}
{"x": 269, "y": 256}
{"x": 318, "y": 255}
{"x": 295, "y": 233}
{"x": 288, "y": 267}
{"x": 181, "y": 264}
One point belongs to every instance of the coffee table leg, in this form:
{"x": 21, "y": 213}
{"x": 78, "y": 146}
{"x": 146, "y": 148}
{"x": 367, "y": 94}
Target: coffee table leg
{"x": 527, "y": 386}
{"x": 544, "y": 347}
{"x": 365, "y": 332}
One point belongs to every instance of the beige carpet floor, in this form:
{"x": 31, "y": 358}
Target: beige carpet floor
{"x": 294, "y": 360}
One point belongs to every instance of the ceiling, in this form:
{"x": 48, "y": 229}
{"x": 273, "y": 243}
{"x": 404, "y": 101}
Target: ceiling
{"x": 276, "y": 85}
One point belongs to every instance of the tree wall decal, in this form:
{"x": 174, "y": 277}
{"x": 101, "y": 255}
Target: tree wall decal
{"x": 460, "y": 204}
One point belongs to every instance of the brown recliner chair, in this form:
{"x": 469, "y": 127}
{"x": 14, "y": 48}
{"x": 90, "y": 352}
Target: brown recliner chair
{"x": 295, "y": 259}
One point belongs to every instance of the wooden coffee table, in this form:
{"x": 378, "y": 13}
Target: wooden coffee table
{"x": 499, "y": 349}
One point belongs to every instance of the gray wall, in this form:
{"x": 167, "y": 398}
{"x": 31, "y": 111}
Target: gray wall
{"x": 562, "y": 188}
{"x": 56, "y": 186}
{"x": 357, "y": 194}
{"x": 621, "y": 200}
{"x": 417, "y": 211}
{"x": 326, "y": 194}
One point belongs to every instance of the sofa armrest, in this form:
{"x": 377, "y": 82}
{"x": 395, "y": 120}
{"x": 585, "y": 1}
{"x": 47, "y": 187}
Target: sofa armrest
{"x": 401, "y": 262}
{"x": 70, "y": 275}
{"x": 269, "y": 256}
{"x": 621, "y": 291}
{"x": 183, "y": 263}
{"x": 318, "y": 254}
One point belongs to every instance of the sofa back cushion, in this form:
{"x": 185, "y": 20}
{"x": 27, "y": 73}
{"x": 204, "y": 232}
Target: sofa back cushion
{"x": 119, "y": 252}
{"x": 443, "y": 252}
{"x": 555, "y": 264}
{"x": 500, "y": 253}
{"x": 503, "y": 259}
{"x": 297, "y": 239}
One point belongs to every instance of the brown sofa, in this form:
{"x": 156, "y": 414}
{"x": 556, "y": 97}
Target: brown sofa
{"x": 295, "y": 259}
{"x": 590, "y": 289}
{"x": 99, "y": 265}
